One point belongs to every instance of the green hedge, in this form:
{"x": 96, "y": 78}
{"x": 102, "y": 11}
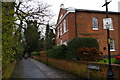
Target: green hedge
{"x": 35, "y": 53}
{"x": 117, "y": 61}
{"x": 80, "y": 42}
{"x": 84, "y": 42}
{"x": 58, "y": 52}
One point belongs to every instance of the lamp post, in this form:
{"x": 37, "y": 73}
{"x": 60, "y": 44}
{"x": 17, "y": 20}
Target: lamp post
{"x": 109, "y": 72}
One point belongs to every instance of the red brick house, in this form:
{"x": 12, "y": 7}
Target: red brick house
{"x": 73, "y": 23}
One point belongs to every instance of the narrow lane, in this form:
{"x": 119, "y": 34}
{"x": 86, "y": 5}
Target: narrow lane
{"x": 29, "y": 68}
{"x": 26, "y": 69}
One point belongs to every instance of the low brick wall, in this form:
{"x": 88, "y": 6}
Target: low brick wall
{"x": 92, "y": 70}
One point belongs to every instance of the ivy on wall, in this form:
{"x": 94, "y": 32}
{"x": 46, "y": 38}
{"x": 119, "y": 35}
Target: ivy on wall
{"x": 12, "y": 47}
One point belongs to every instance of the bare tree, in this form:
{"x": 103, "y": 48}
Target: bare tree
{"x": 32, "y": 11}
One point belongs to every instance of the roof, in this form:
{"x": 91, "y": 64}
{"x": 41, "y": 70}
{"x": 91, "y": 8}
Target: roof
{"x": 95, "y": 11}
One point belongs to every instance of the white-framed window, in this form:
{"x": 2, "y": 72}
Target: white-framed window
{"x": 112, "y": 45}
{"x": 94, "y": 23}
{"x": 61, "y": 42}
{"x": 65, "y": 42}
{"x": 65, "y": 28}
{"x": 61, "y": 29}
{"x": 58, "y": 34}
{"x": 58, "y": 44}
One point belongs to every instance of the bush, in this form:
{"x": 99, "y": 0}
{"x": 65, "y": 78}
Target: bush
{"x": 89, "y": 54}
{"x": 84, "y": 42}
{"x": 76, "y": 43}
{"x": 117, "y": 60}
{"x": 58, "y": 52}
{"x": 35, "y": 53}
{"x": 117, "y": 57}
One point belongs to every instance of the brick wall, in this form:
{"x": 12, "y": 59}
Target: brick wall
{"x": 80, "y": 68}
{"x": 80, "y": 24}
{"x": 84, "y": 29}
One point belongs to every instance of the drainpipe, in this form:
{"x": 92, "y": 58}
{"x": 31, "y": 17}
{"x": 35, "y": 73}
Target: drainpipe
{"x": 76, "y": 35}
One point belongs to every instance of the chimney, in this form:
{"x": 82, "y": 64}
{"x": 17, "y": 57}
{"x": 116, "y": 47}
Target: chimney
{"x": 62, "y": 6}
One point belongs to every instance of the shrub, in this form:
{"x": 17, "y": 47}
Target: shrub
{"x": 117, "y": 60}
{"x": 89, "y": 54}
{"x": 84, "y": 42}
{"x": 35, "y": 53}
{"x": 58, "y": 52}
{"x": 117, "y": 57}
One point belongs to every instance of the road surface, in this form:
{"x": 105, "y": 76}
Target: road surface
{"x": 31, "y": 69}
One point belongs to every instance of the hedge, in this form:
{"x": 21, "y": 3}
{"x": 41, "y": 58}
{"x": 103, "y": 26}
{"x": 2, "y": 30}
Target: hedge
{"x": 80, "y": 42}
{"x": 58, "y": 52}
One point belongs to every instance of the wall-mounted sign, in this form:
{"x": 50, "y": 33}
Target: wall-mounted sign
{"x": 93, "y": 67}
{"x": 107, "y": 23}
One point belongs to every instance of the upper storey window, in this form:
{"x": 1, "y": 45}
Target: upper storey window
{"x": 60, "y": 29}
{"x": 65, "y": 28}
{"x": 94, "y": 23}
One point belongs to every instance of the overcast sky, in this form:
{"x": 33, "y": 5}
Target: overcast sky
{"x": 81, "y": 4}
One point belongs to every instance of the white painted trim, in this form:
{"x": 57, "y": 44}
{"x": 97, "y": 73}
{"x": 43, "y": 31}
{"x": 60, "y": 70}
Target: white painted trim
{"x": 62, "y": 19}
{"x": 113, "y": 50}
{"x": 111, "y": 29}
{"x": 95, "y": 29}
{"x": 65, "y": 32}
{"x": 68, "y": 11}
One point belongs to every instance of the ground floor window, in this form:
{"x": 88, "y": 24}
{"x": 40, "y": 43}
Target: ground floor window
{"x": 112, "y": 45}
{"x": 65, "y": 42}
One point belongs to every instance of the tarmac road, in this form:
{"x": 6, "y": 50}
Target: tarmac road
{"x": 30, "y": 69}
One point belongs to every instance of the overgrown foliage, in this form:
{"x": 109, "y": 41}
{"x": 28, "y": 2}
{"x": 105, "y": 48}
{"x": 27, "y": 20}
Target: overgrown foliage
{"x": 58, "y": 52}
{"x": 80, "y": 42}
{"x": 12, "y": 47}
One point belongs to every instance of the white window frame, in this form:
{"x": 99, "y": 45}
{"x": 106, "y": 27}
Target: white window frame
{"x": 95, "y": 23}
{"x": 65, "y": 27}
{"x": 61, "y": 29}
{"x": 61, "y": 42}
{"x": 58, "y": 34}
{"x": 112, "y": 44}
{"x": 65, "y": 42}
{"x": 58, "y": 44}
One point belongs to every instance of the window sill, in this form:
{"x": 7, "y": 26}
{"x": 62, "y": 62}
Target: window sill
{"x": 95, "y": 29}
{"x": 113, "y": 50}
{"x": 111, "y": 29}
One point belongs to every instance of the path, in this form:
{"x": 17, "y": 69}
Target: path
{"x": 29, "y": 68}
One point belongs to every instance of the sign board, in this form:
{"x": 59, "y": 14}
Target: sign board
{"x": 107, "y": 23}
{"x": 93, "y": 67}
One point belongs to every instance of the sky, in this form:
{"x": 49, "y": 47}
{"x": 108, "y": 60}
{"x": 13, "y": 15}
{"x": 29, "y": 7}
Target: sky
{"x": 81, "y": 4}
